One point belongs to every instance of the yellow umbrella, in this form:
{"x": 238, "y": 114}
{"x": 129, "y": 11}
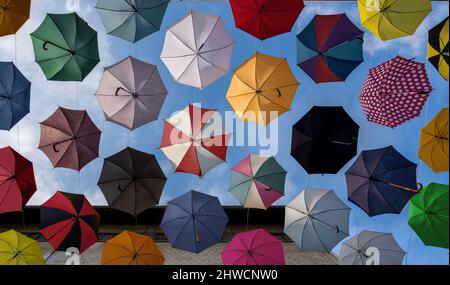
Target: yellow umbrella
{"x": 17, "y": 249}
{"x": 434, "y": 143}
{"x": 13, "y": 14}
{"x": 390, "y": 19}
{"x": 438, "y": 48}
{"x": 262, "y": 89}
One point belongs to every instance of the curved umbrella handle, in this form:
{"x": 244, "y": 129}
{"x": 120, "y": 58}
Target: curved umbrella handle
{"x": 279, "y": 92}
{"x": 118, "y": 187}
{"x": 44, "y": 46}
{"x": 54, "y": 148}
{"x": 123, "y": 89}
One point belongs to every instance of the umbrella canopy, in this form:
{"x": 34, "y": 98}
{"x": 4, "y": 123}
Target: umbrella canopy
{"x": 428, "y": 215}
{"x": 195, "y": 140}
{"x": 13, "y": 14}
{"x": 17, "y": 183}
{"x": 65, "y": 47}
{"x": 262, "y": 89}
{"x": 267, "y": 18}
{"x": 438, "y": 48}
{"x": 14, "y": 96}
{"x": 324, "y": 140}
{"x": 358, "y": 249}
{"x": 258, "y": 181}
{"x": 381, "y": 181}
{"x": 131, "y": 93}
{"x": 395, "y": 92}
{"x": 132, "y": 181}
{"x": 197, "y": 50}
{"x": 434, "y": 142}
{"x": 130, "y": 248}
{"x": 317, "y": 220}
{"x": 390, "y": 19}
{"x": 69, "y": 139}
{"x": 132, "y": 20}
{"x": 256, "y": 247}
{"x": 69, "y": 220}
{"x": 17, "y": 249}
{"x": 194, "y": 221}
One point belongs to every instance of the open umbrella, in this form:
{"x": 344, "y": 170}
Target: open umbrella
{"x": 13, "y": 14}
{"x": 69, "y": 220}
{"x": 434, "y": 142}
{"x": 438, "y": 52}
{"x": 17, "y": 184}
{"x": 317, "y": 220}
{"x": 324, "y": 140}
{"x": 65, "y": 47}
{"x": 17, "y": 249}
{"x": 395, "y": 92}
{"x": 132, "y": 20}
{"x": 368, "y": 248}
{"x": 390, "y": 19}
{"x": 194, "y": 221}
{"x": 129, "y": 248}
{"x": 132, "y": 181}
{"x": 195, "y": 140}
{"x": 267, "y": 18}
{"x": 258, "y": 181}
{"x": 70, "y": 139}
{"x": 131, "y": 93}
{"x": 330, "y": 48}
{"x": 381, "y": 181}
{"x": 256, "y": 247}
{"x": 197, "y": 50}
{"x": 14, "y": 96}
{"x": 428, "y": 215}
{"x": 262, "y": 89}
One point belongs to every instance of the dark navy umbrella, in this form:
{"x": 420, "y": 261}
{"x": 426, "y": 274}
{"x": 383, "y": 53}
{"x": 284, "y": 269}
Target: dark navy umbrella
{"x": 194, "y": 221}
{"x": 14, "y": 96}
{"x": 382, "y": 181}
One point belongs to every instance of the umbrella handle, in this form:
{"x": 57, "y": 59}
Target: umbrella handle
{"x": 44, "y": 46}
{"x": 419, "y": 186}
{"x": 279, "y": 92}
{"x": 197, "y": 238}
{"x": 118, "y": 89}
{"x": 54, "y": 148}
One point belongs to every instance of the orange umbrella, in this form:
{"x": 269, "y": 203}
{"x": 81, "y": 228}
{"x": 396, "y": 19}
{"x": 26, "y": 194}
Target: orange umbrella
{"x": 13, "y": 14}
{"x": 130, "y": 248}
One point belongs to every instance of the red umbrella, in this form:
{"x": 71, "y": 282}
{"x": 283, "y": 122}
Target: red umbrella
{"x": 17, "y": 183}
{"x": 266, "y": 18}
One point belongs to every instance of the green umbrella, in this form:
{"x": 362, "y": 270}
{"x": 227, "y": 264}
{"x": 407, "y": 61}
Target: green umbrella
{"x": 428, "y": 215}
{"x": 65, "y": 47}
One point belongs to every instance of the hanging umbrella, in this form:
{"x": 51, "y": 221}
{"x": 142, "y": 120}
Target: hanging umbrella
{"x": 438, "y": 48}
{"x": 395, "y": 92}
{"x": 197, "y": 50}
{"x": 359, "y": 250}
{"x": 13, "y": 14}
{"x": 69, "y": 220}
{"x": 194, "y": 221}
{"x": 258, "y": 181}
{"x": 324, "y": 140}
{"x": 17, "y": 183}
{"x": 317, "y": 220}
{"x": 330, "y": 48}
{"x": 428, "y": 215}
{"x": 130, "y": 248}
{"x": 381, "y": 181}
{"x": 434, "y": 142}
{"x": 14, "y": 96}
{"x": 17, "y": 249}
{"x": 266, "y": 19}
{"x": 65, "y": 47}
{"x": 390, "y": 19}
{"x": 262, "y": 89}
{"x": 132, "y": 181}
{"x": 131, "y": 93}
{"x": 195, "y": 140}
{"x": 132, "y": 20}
{"x": 256, "y": 247}
{"x": 69, "y": 139}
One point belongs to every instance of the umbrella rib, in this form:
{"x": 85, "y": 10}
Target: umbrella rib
{"x": 181, "y": 41}
{"x": 217, "y": 49}
{"x": 271, "y": 74}
{"x": 318, "y": 236}
{"x": 7, "y": 192}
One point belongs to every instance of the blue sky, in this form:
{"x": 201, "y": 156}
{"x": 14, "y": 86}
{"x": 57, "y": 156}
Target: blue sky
{"x": 46, "y": 96}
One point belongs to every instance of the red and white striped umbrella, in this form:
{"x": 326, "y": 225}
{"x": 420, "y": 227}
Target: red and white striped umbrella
{"x": 195, "y": 140}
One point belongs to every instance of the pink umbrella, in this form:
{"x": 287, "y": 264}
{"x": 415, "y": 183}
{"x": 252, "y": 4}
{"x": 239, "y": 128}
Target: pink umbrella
{"x": 256, "y": 247}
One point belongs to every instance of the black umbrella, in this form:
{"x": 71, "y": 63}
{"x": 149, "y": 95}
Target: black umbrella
{"x": 132, "y": 181}
{"x": 324, "y": 140}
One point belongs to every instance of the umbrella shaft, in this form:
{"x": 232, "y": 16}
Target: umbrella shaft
{"x": 58, "y": 46}
{"x": 404, "y": 188}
